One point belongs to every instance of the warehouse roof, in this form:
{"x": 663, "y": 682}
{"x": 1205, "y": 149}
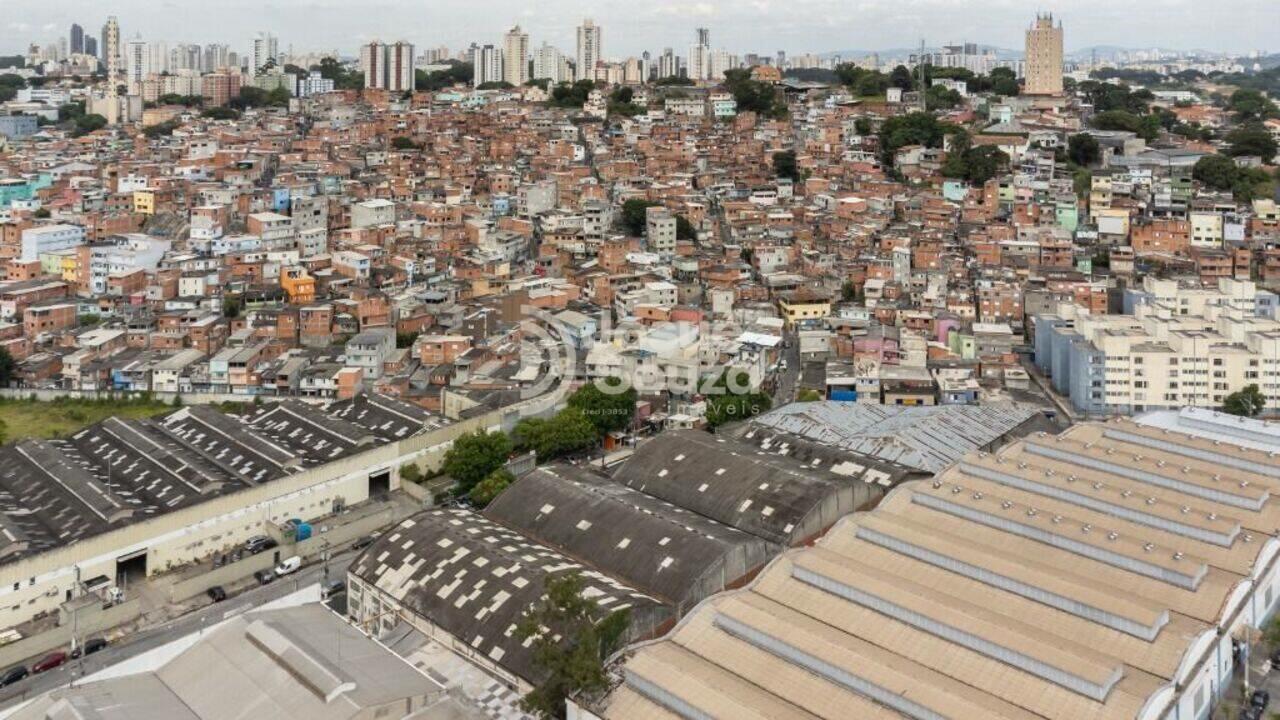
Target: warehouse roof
{"x": 923, "y": 438}
{"x": 120, "y": 471}
{"x": 300, "y": 662}
{"x": 762, "y": 493}
{"x": 648, "y": 543}
{"x": 1084, "y": 575}
{"x": 386, "y": 417}
{"x": 474, "y": 579}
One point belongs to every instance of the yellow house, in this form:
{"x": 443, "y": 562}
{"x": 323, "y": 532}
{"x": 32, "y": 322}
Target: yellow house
{"x": 802, "y": 306}
{"x": 144, "y": 201}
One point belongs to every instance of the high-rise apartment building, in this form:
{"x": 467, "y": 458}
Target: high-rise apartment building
{"x": 487, "y": 65}
{"x": 590, "y": 44}
{"x": 137, "y": 64}
{"x": 515, "y": 53}
{"x": 111, "y": 56}
{"x": 387, "y": 67}
{"x": 549, "y": 64}
{"x": 216, "y": 57}
{"x": 668, "y": 64}
{"x": 77, "y": 39}
{"x": 263, "y": 49}
{"x": 91, "y": 45}
{"x": 1044, "y": 57}
{"x": 700, "y": 56}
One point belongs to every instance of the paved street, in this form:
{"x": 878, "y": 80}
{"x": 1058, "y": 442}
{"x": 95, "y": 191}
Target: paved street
{"x": 151, "y": 638}
{"x": 787, "y": 379}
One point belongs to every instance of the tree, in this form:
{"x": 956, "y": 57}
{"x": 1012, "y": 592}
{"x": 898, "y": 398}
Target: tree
{"x": 571, "y": 95}
{"x": 491, "y": 487}
{"x": 808, "y": 395}
{"x": 7, "y": 367}
{"x": 634, "y": 215}
{"x": 231, "y": 306}
{"x": 731, "y": 399}
{"x": 163, "y": 129}
{"x": 1083, "y": 149}
{"x": 784, "y": 165}
{"x": 404, "y": 143}
{"x": 42, "y": 213}
{"x": 1251, "y": 139}
{"x": 901, "y": 77}
{"x": 939, "y": 97}
{"x": 911, "y": 129}
{"x": 474, "y": 456}
{"x": 1247, "y": 402}
{"x": 685, "y": 229}
{"x": 1215, "y": 171}
{"x": 754, "y": 96}
{"x": 984, "y": 163}
{"x": 411, "y": 473}
{"x": 86, "y": 124}
{"x": 221, "y": 113}
{"x": 608, "y": 410}
{"x": 1251, "y": 105}
{"x": 568, "y": 432}
{"x": 569, "y": 645}
{"x": 1148, "y": 129}
{"x": 406, "y": 339}
{"x": 1004, "y": 82}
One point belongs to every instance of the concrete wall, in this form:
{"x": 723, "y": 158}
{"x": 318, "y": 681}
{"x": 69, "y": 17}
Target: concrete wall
{"x": 90, "y": 624}
{"x": 46, "y": 395}
{"x": 337, "y": 539}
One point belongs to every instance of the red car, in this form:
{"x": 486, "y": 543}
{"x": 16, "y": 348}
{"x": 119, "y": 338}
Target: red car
{"x": 50, "y": 661}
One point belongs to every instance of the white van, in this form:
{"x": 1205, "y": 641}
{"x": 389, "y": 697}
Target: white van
{"x": 288, "y": 565}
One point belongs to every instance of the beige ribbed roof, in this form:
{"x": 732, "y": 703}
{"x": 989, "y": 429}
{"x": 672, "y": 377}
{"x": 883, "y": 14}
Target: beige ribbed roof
{"x": 1059, "y": 578}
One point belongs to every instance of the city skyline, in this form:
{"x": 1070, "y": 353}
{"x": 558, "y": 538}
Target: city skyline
{"x": 823, "y": 26}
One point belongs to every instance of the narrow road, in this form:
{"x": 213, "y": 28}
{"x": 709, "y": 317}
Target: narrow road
{"x": 154, "y": 637}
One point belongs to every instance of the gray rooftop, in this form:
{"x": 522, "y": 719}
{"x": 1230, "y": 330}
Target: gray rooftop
{"x": 663, "y": 550}
{"x": 475, "y": 579}
{"x": 922, "y": 438}
{"x": 767, "y": 494}
{"x": 303, "y": 662}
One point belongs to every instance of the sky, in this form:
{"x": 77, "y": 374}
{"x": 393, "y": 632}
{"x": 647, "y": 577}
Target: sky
{"x": 632, "y": 26}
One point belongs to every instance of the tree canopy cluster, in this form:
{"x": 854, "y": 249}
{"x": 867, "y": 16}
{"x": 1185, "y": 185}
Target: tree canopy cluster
{"x": 10, "y": 84}
{"x": 591, "y": 414}
{"x": 754, "y": 96}
{"x": 911, "y": 129}
{"x": 1219, "y": 172}
{"x": 977, "y": 165}
{"x": 569, "y": 644}
{"x": 1246, "y": 402}
{"x": 571, "y": 95}
{"x": 343, "y": 79}
{"x": 458, "y": 73}
{"x": 475, "y": 456}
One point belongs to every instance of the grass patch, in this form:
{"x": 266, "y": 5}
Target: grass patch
{"x": 63, "y": 417}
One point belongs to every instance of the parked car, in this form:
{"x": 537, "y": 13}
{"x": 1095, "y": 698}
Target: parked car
{"x": 89, "y": 647}
{"x": 362, "y": 543}
{"x": 259, "y": 543}
{"x": 1260, "y": 699}
{"x": 13, "y": 675}
{"x": 49, "y": 662}
{"x": 264, "y": 576}
{"x": 288, "y": 565}
{"x": 216, "y": 593}
{"x": 333, "y": 587}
